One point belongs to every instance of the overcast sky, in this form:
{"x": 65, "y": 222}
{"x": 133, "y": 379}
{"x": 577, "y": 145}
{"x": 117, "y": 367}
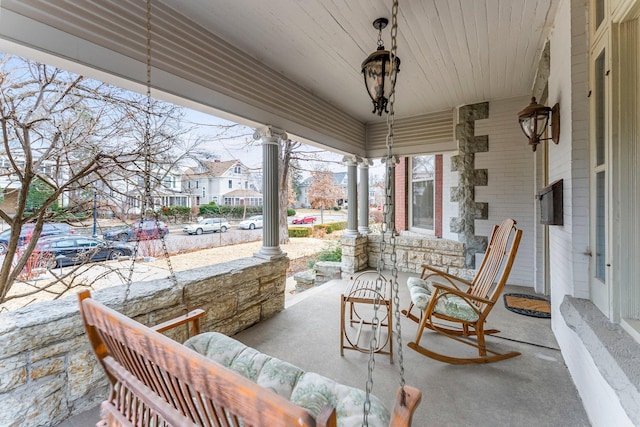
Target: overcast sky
{"x": 239, "y": 144}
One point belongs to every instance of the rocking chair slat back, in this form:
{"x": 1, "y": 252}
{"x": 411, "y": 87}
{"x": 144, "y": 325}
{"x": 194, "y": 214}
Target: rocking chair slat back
{"x": 494, "y": 262}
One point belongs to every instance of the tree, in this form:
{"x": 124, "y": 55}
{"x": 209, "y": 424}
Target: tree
{"x": 287, "y": 150}
{"x": 63, "y": 134}
{"x": 323, "y": 193}
{"x": 39, "y": 192}
{"x": 296, "y": 179}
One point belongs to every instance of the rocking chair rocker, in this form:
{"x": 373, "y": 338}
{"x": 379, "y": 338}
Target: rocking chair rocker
{"x": 467, "y": 309}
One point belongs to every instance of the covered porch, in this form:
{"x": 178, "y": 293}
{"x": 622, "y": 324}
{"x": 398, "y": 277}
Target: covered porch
{"x": 534, "y": 389}
{"x": 292, "y": 70}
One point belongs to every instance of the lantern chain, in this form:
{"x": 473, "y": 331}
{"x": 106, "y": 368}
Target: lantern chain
{"x": 388, "y": 228}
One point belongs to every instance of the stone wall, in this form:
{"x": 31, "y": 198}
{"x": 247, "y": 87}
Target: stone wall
{"x": 354, "y": 254}
{"x": 47, "y": 369}
{"x": 412, "y": 250}
{"x": 469, "y": 177}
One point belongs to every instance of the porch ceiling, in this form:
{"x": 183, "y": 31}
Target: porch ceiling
{"x": 211, "y": 54}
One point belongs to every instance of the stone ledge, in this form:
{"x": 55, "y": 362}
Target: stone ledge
{"x": 305, "y": 280}
{"x": 612, "y": 349}
{"x": 48, "y": 371}
{"x": 327, "y": 270}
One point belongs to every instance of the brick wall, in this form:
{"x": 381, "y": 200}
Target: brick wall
{"x": 47, "y": 369}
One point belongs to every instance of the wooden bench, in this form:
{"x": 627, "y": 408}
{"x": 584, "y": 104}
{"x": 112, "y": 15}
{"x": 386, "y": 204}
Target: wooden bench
{"x": 156, "y": 381}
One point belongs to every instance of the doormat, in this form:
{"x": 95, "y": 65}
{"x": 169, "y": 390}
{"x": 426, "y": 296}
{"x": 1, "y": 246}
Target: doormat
{"x": 528, "y": 305}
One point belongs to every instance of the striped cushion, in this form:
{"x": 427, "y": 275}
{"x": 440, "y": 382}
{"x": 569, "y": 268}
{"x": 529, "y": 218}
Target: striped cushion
{"x": 454, "y": 306}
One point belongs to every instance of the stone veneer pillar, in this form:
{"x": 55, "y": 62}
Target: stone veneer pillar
{"x": 363, "y": 197}
{"x": 468, "y": 178}
{"x": 270, "y": 138}
{"x": 352, "y": 195}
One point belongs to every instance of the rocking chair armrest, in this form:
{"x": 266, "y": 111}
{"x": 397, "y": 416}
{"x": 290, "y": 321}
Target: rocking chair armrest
{"x": 193, "y": 317}
{"x": 461, "y": 294}
{"x": 448, "y": 277}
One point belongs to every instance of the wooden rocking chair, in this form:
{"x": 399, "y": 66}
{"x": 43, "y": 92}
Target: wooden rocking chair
{"x": 467, "y": 309}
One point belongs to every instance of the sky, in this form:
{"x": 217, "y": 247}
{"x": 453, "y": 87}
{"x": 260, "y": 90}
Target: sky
{"x": 238, "y": 143}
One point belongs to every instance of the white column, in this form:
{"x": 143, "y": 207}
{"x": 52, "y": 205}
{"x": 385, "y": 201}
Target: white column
{"x": 363, "y": 197}
{"x": 352, "y": 195}
{"x": 270, "y": 138}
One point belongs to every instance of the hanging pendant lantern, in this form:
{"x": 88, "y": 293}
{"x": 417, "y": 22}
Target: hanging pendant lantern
{"x": 379, "y": 75}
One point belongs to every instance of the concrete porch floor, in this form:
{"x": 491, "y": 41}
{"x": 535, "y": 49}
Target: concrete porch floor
{"x": 534, "y": 389}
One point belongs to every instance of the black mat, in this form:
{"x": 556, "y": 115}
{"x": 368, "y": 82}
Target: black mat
{"x": 528, "y": 305}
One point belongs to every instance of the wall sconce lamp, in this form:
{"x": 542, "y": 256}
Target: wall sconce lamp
{"x": 377, "y": 71}
{"x": 534, "y": 120}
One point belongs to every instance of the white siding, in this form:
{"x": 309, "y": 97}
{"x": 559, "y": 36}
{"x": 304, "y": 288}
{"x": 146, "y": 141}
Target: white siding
{"x": 510, "y": 187}
{"x": 569, "y": 160}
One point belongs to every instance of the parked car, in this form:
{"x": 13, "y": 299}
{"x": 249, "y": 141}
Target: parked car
{"x": 48, "y": 229}
{"x": 308, "y": 219}
{"x": 251, "y": 223}
{"x": 63, "y": 250}
{"x": 207, "y": 225}
{"x": 150, "y": 229}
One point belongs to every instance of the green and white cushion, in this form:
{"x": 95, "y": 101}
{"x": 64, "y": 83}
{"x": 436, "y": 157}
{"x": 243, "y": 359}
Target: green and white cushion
{"x": 305, "y": 389}
{"x": 454, "y": 306}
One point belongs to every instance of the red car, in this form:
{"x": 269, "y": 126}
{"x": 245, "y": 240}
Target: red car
{"x": 303, "y": 220}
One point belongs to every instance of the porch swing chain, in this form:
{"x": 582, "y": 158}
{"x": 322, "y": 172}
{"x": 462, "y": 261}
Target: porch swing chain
{"x": 148, "y": 199}
{"x": 388, "y": 227}
{"x": 389, "y": 143}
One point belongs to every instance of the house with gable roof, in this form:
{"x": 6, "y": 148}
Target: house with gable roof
{"x": 226, "y": 182}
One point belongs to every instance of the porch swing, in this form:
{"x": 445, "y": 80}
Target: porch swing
{"x": 214, "y": 380}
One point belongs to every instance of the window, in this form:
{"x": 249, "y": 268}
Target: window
{"x": 423, "y": 172}
{"x": 230, "y": 184}
{"x": 237, "y": 170}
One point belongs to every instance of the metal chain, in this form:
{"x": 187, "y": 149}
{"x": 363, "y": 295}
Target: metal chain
{"x": 389, "y": 142}
{"x": 148, "y": 203}
{"x": 388, "y": 228}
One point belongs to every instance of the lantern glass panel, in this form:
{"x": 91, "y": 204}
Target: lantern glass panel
{"x": 542, "y": 119}
{"x": 373, "y": 77}
{"x": 527, "y": 126}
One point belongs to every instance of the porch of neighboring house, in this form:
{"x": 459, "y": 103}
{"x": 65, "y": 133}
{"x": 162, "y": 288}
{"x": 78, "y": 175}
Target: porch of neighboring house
{"x": 534, "y": 389}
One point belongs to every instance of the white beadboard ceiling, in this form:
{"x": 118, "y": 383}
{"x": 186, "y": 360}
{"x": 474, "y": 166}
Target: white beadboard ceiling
{"x": 453, "y": 52}
{"x": 214, "y": 52}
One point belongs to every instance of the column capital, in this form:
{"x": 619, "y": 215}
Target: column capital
{"x": 365, "y": 163}
{"x": 270, "y": 134}
{"x": 391, "y": 161}
{"x": 351, "y": 160}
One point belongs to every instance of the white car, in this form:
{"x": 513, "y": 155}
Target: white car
{"x": 207, "y": 225}
{"x": 251, "y": 223}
